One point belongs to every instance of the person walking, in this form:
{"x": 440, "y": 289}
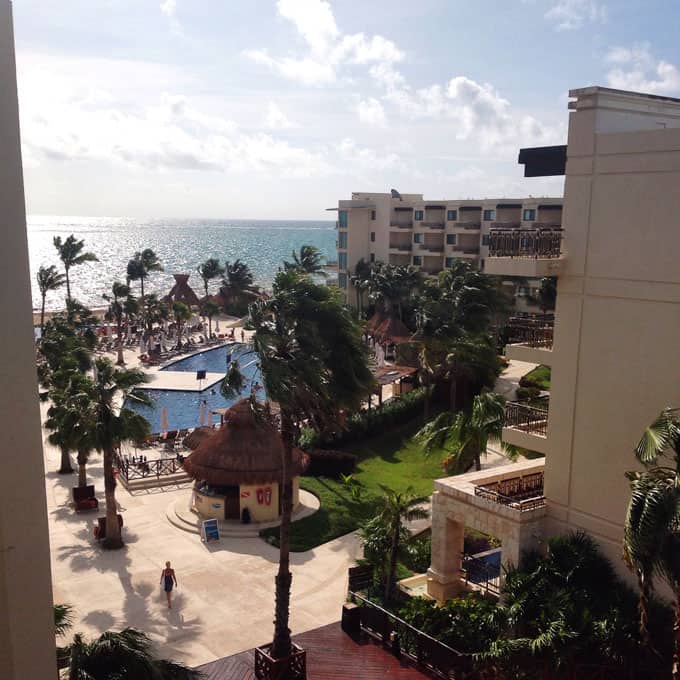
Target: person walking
{"x": 168, "y": 580}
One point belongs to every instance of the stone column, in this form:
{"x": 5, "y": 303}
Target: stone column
{"x": 448, "y": 532}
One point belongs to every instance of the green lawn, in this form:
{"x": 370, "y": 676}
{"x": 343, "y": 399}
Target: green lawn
{"x": 392, "y": 459}
{"x": 539, "y": 377}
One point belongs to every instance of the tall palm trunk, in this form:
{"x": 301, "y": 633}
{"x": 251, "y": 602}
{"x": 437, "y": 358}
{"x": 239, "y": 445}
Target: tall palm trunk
{"x": 82, "y": 468}
{"x": 392, "y": 567}
{"x": 113, "y": 538}
{"x": 282, "y": 646}
{"x": 676, "y": 637}
{"x": 42, "y": 314}
{"x": 210, "y": 328}
{"x": 68, "y": 284}
{"x": 119, "y": 324}
{"x": 65, "y": 467}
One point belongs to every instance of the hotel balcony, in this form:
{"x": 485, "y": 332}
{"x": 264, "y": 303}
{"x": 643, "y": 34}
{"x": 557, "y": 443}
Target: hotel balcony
{"x": 399, "y": 224}
{"x": 465, "y": 251}
{"x": 434, "y": 224}
{"x": 506, "y": 502}
{"x": 400, "y": 247}
{"x": 530, "y": 340}
{"x": 529, "y": 253}
{"x": 432, "y": 247}
{"x": 467, "y": 226}
{"x": 526, "y": 426}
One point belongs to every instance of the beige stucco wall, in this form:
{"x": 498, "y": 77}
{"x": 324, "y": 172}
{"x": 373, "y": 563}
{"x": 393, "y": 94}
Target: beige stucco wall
{"x": 261, "y": 511}
{"x": 27, "y": 642}
{"x": 617, "y": 334}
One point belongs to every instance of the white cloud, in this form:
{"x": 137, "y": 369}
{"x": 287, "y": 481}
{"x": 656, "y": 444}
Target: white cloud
{"x": 569, "y": 15}
{"x": 169, "y": 7}
{"x": 277, "y": 119}
{"x": 329, "y": 49}
{"x": 362, "y": 158}
{"x": 371, "y": 111}
{"x": 635, "y": 68}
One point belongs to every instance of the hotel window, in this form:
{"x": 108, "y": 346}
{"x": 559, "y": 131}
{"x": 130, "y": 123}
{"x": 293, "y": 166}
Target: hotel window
{"x": 489, "y": 215}
{"x": 451, "y": 239}
{"x": 529, "y": 215}
{"x": 372, "y": 257}
{"x": 342, "y": 239}
{"x": 418, "y": 215}
{"x": 342, "y": 280}
{"x": 449, "y": 262}
{"x": 343, "y": 219}
{"x": 372, "y": 214}
{"x": 342, "y": 261}
{"x": 417, "y": 238}
{"x": 372, "y": 236}
{"x": 485, "y": 240}
{"x": 452, "y": 215}
{"x": 417, "y": 260}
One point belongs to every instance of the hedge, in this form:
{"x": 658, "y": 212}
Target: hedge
{"x": 323, "y": 463}
{"x": 363, "y": 424}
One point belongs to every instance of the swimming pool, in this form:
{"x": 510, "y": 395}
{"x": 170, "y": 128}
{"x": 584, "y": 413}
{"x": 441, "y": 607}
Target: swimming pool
{"x": 183, "y": 406}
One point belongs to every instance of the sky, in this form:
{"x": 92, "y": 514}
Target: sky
{"x": 276, "y": 109}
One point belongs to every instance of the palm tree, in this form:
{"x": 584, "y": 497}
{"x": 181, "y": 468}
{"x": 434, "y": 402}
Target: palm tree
{"x": 209, "y": 270}
{"x": 238, "y": 279}
{"x": 313, "y": 365}
{"x": 119, "y": 291}
{"x": 63, "y": 620}
{"x": 48, "y": 279}
{"x": 182, "y": 314}
{"x": 651, "y": 544}
{"x": 71, "y": 254}
{"x": 361, "y": 280}
{"x": 210, "y": 309}
{"x": 60, "y": 422}
{"x": 468, "y": 435}
{"x": 112, "y": 426}
{"x": 547, "y": 294}
{"x": 392, "y": 285}
{"x": 308, "y": 261}
{"x": 126, "y": 654}
{"x": 154, "y": 310}
{"x": 397, "y": 507}
{"x": 141, "y": 265}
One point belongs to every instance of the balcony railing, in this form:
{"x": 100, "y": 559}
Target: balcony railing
{"x": 438, "y": 224}
{"x": 402, "y": 225}
{"x": 530, "y": 243}
{"x": 160, "y": 467}
{"x": 522, "y": 493}
{"x": 529, "y": 419}
{"x": 401, "y": 246}
{"x": 505, "y": 225}
{"x": 468, "y": 250}
{"x": 531, "y": 333}
{"x": 432, "y": 248}
{"x": 468, "y": 225}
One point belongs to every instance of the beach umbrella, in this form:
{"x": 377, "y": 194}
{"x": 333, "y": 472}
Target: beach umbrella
{"x": 201, "y": 414}
{"x": 217, "y": 325}
{"x": 164, "y": 420}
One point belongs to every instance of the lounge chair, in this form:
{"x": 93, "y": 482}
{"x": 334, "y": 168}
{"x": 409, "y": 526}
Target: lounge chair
{"x": 84, "y": 498}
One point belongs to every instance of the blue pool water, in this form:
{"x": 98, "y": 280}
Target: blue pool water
{"x": 183, "y": 406}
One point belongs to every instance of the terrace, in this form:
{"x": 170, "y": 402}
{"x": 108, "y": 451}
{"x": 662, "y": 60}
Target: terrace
{"x": 527, "y": 252}
{"x": 530, "y": 339}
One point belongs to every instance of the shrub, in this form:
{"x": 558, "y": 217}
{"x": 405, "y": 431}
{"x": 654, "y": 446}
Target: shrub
{"x": 359, "y": 425}
{"x": 527, "y": 393}
{"x": 416, "y": 554}
{"x": 326, "y": 463}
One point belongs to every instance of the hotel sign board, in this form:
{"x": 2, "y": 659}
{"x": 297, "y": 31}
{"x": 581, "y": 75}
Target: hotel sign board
{"x": 210, "y": 530}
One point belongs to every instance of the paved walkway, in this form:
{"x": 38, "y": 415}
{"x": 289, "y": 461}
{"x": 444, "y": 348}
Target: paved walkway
{"x": 225, "y": 600}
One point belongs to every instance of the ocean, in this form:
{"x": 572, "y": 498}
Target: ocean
{"x": 181, "y": 246}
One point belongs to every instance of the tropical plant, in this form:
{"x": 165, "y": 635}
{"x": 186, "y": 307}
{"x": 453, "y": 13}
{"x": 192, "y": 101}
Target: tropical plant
{"x": 117, "y": 655}
{"x": 119, "y": 294}
{"x": 395, "y": 508}
{"x": 313, "y": 365}
{"x": 467, "y": 435}
{"x": 568, "y": 608}
{"x": 209, "y": 270}
{"x": 547, "y": 294}
{"x": 651, "y": 544}
{"x": 71, "y": 254}
{"x": 63, "y": 620}
{"x": 238, "y": 280}
{"x": 141, "y": 265}
{"x": 393, "y": 286}
{"x": 154, "y": 310}
{"x": 308, "y": 261}
{"x": 361, "y": 281}
{"x": 182, "y": 314}
{"x": 113, "y": 426}
{"x": 210, "y": 309}
{"x": 48, "y": 279}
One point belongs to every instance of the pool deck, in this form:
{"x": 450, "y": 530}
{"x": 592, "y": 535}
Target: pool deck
{"x": 184, "y": 381}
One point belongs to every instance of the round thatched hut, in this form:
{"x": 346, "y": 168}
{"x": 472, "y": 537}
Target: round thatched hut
{"x": 239, "y": 467}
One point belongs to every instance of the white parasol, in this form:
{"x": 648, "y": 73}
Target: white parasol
{"x": 201, "y": 414}
{"x": 164, "y": 420}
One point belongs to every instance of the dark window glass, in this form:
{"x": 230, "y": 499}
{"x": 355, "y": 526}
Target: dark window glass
{"x": 452, "y": 215}
{"x": 417, "y": 260}
{"x": 418, "y": 216}
{"x": 372, "y": 257}
{"x": 529, "y": 215}
{"x": 451, "y": 239}
{"x": 372, "y": 214}
{"x": 485, "y": 240}
{"x": 372, "y": 236}
{"x": 489, "y": 215}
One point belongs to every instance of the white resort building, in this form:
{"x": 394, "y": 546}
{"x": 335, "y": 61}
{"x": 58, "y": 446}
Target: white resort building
{"x": 614, "y": 358}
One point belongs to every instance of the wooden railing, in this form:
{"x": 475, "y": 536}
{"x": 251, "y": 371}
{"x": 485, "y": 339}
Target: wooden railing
{"x": 531, "y": 333}
{"x": 159, "y": 467}
{"x": 522, "y": 493}
{"x": 423, "y": 650}
{"x": 529, "y": 419}
{"x": 534, "y": 243}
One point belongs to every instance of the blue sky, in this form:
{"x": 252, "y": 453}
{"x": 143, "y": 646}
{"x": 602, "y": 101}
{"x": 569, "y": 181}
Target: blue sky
{"x": 276, "y": 109}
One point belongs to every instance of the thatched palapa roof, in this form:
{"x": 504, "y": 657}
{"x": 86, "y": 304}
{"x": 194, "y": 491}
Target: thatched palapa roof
{"x": 182, "y": 291}
{"x": 198, "y": 436}
{"x": 392, "y": 330}
{"x": 243, "y": 451}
